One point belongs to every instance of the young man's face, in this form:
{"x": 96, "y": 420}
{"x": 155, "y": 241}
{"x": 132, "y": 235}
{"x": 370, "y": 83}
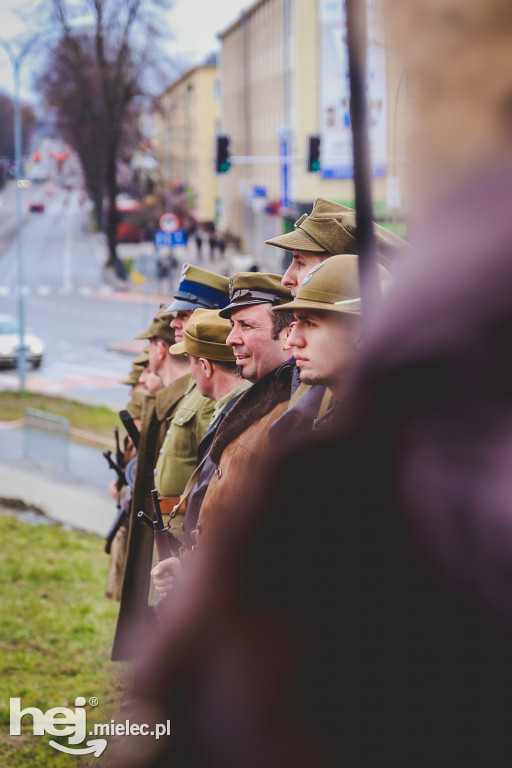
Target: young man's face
{"x": 256, "y": 352}
{"x": 154, "y": 357}
{"x": 302, "y": 262}
{"x": 151, "y": 381}
{"x": 324, "y": 345}
{"x": 179, "y": 323}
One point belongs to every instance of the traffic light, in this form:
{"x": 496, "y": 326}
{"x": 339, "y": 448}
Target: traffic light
{"x": 222, "y": 163}
{"x": 314, "y": 153}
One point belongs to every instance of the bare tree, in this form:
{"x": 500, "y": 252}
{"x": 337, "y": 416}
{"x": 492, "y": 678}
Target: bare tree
{"x": 28, "y": 122}
{"x": 92, "y": 75}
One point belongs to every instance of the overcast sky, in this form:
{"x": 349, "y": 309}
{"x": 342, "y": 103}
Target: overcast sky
{"x": 193, "y": 22}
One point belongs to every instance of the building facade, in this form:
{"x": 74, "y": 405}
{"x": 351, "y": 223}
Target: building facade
{"x": 284, "y": 77}
{"x": 187, "y": 121}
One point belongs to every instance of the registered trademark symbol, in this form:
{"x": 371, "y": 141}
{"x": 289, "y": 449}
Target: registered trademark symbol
{"x": 93, "y": 701}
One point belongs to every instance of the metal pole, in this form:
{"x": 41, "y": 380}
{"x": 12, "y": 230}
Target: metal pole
{"x": 368, "y": 274}
{"x": 16, "y": 62}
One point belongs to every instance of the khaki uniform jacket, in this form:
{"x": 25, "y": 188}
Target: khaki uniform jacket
{"x": 241, "y": 447}
{"x": 136, "y": 579}
{"x": 178, "y": 454}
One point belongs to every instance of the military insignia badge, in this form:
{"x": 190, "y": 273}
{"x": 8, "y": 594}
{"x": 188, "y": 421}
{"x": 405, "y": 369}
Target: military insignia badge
{"x": 312, "y": 272}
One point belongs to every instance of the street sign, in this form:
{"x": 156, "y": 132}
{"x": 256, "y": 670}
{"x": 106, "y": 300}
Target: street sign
{"x": 169, "y": 222}
{"x": 169, "y": 239}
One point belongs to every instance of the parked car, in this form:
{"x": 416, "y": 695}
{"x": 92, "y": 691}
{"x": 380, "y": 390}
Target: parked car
{"x": 37, "y": 206}
{"x": 10, "y": 344}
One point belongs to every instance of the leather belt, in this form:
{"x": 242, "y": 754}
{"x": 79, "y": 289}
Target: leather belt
{"x": 167, "y": 504}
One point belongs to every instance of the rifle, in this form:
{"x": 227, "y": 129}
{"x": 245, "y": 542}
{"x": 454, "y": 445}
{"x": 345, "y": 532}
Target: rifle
{"x": 121, "y": 516}
{"x": 119, "y": 454}
{"x": 130, "y": 427}
{"x": 116, "y": 525}
{"x": 121, "y": 477}
{"x": 167, "y": 544}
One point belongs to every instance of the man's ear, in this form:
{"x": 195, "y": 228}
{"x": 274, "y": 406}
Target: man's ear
{"x": 162, "y": 349}
{"x": 207, "y": 367}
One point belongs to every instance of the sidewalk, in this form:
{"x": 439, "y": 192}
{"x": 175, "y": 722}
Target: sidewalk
{"x": 142, "y": 280}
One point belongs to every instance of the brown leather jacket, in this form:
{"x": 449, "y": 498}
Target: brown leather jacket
{"x": 241, "y": 446}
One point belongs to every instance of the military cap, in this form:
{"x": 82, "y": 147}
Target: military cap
{"x": 134, "y": 376}
{"x": 330, "y": 229}
{"x": 159, "y": 327}
{"x": 205, "y": 336}
{"x": 332, "y": 285}
{"x": 247, "y": 288}
{"x": 134, "y": 407}
{"x": 143, "y": 359}
{"x": 199, "y": 288}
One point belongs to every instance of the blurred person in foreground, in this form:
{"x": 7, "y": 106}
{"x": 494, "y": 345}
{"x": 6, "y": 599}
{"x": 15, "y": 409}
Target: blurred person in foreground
{"x": 391, "y": 641}
{"x": 385, "y": 636}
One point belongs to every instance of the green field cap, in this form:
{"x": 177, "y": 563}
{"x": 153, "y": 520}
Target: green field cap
{"x": 159, "y": 327}
{"x": 330, "y": 229}
{"x": 199, "y": 288}
{"x": 134, "y": 407}
{"x": 134, "y": 376}
{"x": 247, "y": 288}
{"x": 205, "y": 336}
{"x": 332, "y": 285}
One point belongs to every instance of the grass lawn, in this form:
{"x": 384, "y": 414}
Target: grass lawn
{"x": 96, "y": 420}
{"x": 56, "y": 631}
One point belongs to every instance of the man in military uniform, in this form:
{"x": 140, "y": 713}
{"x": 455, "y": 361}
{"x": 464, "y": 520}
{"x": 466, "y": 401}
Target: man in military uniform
{"x": 178, "y": 456}
{"x": 138, "y": 366}
{"x": 325, "y": 337}
{"x": 241, "y": 442}
{"x": 329, "y": 229}
{"x": 197, "y": 288}
{"x": 156, "y": 409}
{"x": 213, "y": 366}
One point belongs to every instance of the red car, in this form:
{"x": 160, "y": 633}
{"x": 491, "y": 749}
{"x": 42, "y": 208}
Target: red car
{"x": 36, "y": 206}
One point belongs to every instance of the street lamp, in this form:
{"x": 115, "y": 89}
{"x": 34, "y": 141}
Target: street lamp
{"x": 16, "y": 60}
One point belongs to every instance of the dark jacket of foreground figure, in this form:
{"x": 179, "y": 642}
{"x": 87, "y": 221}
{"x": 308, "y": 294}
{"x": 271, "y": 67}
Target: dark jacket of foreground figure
{"x": 382, "y": 637}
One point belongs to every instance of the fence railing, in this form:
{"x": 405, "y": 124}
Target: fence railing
{"x": 46, "y": 439}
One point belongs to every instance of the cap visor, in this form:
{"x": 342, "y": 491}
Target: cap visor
{"x": 353, "y": 306}
{"x": 297, "y": 240}
{"x": 226, "y": 312}
{"x": 177, "y": 349}
{"x": 178, "y": 305}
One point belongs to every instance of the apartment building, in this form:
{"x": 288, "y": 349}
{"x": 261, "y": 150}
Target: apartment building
{"x": 187, "y": 120}
{"x": 284, "y": 77}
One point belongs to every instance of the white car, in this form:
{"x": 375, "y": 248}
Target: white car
{"x": 10, "y": 344}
